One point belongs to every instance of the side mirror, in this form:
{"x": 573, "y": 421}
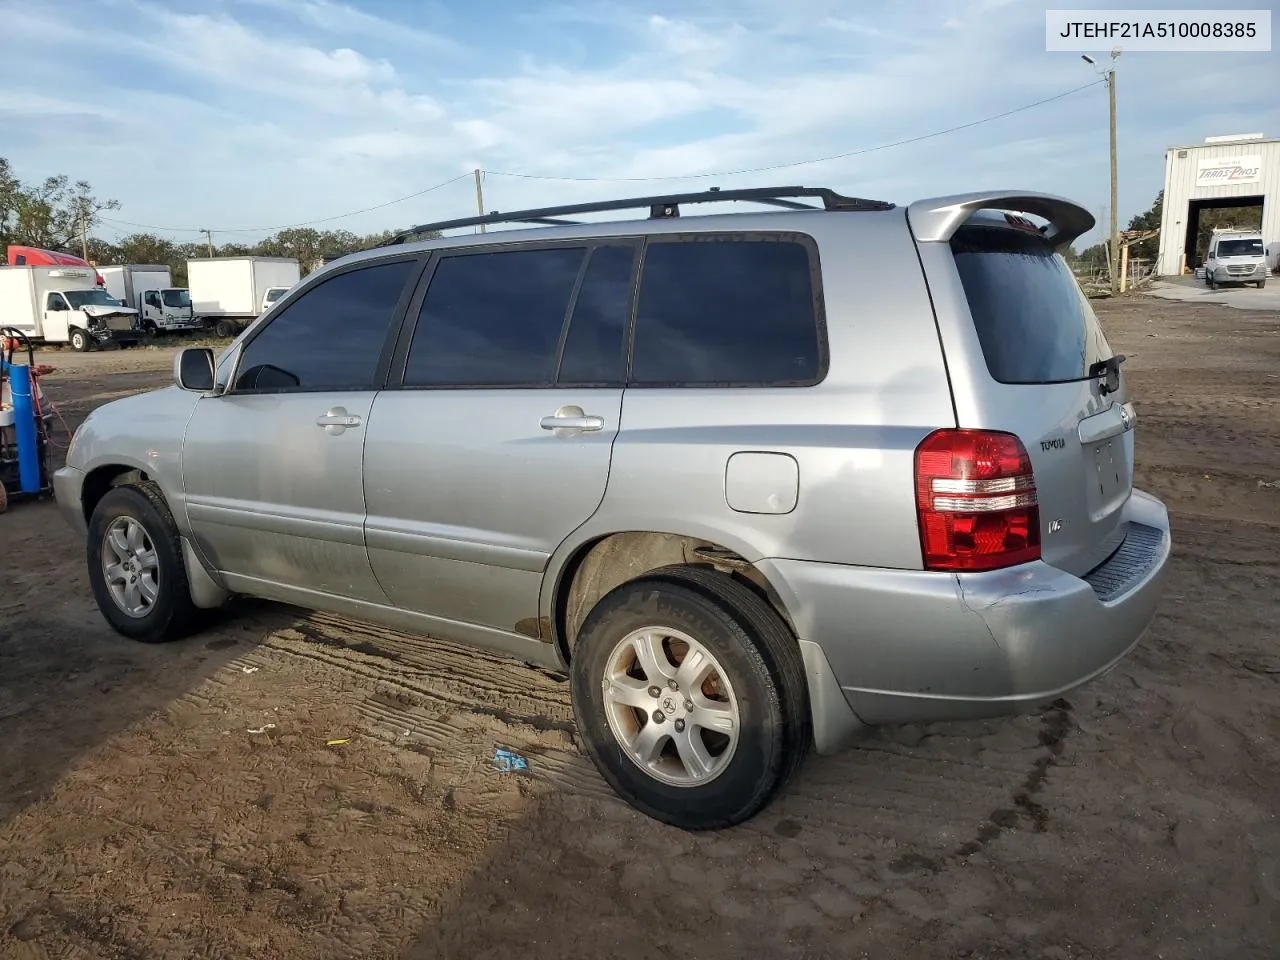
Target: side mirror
{"x": 193, "y": 369}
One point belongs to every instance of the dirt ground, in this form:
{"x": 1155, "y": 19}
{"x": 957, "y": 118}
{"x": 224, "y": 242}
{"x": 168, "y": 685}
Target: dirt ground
{"x": 187, "y": 801}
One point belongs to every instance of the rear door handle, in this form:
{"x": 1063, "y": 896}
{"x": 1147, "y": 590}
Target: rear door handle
{"x": 337, "y": 420}
{"x": 570, "y": 420}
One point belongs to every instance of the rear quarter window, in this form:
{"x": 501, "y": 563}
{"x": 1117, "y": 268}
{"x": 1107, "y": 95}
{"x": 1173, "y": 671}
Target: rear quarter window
{"x": 722, "y": 310}
{"x": 1033, "y": 320}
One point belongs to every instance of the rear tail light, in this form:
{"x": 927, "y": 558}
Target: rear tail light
{"x": 976, "y": 501}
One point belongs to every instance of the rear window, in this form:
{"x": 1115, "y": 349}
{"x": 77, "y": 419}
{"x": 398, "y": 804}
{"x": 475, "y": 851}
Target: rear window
{"x": 1033, "y": 321}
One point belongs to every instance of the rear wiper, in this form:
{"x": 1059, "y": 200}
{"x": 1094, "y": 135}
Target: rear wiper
{"x": 1109, "y": 371}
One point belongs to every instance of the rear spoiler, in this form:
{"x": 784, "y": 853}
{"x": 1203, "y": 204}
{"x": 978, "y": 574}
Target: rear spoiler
{"x": 937, "y": 220}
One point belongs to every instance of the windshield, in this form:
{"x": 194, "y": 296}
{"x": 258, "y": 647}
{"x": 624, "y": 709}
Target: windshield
{"x": 176, "y": 297}
{"x": 1251, "y": 247}
{"x": 96, "y": 297}
{"x": 1033, "y": 320}
{"x": 275, "y": 294}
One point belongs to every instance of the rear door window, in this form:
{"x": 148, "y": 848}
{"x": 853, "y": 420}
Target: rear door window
{"x": 595, "y": 349}
{"x": 728, "y": 310}
{"x": 1032, "y": 319}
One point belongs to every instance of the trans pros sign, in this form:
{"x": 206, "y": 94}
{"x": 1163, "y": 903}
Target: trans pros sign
{"x": 1229, "y": 170}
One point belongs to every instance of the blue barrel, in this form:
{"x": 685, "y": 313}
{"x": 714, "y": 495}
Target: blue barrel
{"x": 24, "y": 426}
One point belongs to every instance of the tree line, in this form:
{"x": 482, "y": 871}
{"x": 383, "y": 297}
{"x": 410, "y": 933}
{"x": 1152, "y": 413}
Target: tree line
{"x": 1214, "y": 218}
{"x": 57, "y": 214}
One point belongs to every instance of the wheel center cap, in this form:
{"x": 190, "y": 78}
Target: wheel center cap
{"x": 672, "y": 706}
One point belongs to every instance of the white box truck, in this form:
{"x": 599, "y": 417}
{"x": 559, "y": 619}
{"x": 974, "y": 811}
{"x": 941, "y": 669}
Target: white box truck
{"x": 149, "y": 289}
{"x": 228, "y": 293}
{"x": 65, "y": 305}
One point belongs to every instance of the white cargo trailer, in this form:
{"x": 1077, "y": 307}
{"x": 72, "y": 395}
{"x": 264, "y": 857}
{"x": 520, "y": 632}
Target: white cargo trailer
{"x": 149, "y": 289}
{"x": 65, "y": 305}
{"x": 227, "y": 292}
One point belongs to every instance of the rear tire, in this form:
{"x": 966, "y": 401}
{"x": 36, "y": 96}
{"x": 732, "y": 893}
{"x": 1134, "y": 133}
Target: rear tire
{"x": 756, "y": 680}
{"x": 132, "y": 535}
{"x": 224, "y": 329}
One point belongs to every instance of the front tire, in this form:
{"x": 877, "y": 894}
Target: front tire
{"x": 224, "y": 329}
{"x": 80, "y": 341}
{"x": 136, "y": 568}
{"x": 728, "y": 724}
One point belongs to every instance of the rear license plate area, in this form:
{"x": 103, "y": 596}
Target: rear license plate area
{"x": 1110, "y": 470}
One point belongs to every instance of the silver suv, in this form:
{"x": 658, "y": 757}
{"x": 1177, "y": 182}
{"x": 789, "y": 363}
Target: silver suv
{"x": 754, "y": 480}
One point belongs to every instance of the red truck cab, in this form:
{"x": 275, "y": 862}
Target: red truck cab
{"x": 35, "y": 257}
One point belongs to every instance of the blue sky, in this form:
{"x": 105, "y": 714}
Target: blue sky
{"x": 244, "y": 114}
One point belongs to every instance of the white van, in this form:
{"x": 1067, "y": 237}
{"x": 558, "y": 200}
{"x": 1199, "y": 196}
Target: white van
{"x": 1236, "y": 256}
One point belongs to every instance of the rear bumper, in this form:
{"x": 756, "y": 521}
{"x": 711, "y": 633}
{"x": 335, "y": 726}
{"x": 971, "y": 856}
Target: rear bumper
{"x": 915, "y": 646}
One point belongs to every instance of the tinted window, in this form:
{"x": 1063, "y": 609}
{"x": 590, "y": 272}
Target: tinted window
{"x": 595, "y": 350}
{"x": 330, "y": 338}
{"x": 1240, "y": 248}
{"x": 726, "y": 311}
{"x": 493, "y": 319}
{"x": 1034, "y": 323}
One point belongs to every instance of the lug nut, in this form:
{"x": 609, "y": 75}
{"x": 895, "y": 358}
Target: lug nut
{"x": 672, "y": 684}
{"x": 655, "y": 692}
{"x": 679, "y": 726}
{"x": 688, "y": 706}
{"x": 658, "y": 716}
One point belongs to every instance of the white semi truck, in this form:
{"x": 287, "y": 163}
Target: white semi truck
{"x": 149, "y": 289}
{"x": 65, "y": 305}
{"x": 228, "y": 293}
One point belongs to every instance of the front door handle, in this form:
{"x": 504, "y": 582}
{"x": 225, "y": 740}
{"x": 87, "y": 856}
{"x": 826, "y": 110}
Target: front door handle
{"x": 569, "y": 421}
{"x": 337, "y": 420}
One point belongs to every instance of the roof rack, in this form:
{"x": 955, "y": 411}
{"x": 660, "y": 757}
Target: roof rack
{"x": 660, "y": 208}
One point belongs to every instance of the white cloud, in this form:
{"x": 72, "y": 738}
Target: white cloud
{"x": 346, "y": 20}
{"x": 277, "y": 111}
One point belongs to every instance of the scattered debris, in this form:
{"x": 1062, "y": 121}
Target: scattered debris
{"x": 248, "y": 669}
{"x": 1269, "y": 484}
{"x": 509, "y": 762}
{"x": 262, "y": 729}
{"x": 338, "y": 742}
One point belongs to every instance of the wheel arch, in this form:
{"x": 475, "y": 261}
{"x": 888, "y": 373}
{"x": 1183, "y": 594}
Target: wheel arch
{"x": 102, "y": 478}
{"x": 582, "y": 572}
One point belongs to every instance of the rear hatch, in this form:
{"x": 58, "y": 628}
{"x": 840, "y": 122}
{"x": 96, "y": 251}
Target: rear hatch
{"x": 1053, "y": 381}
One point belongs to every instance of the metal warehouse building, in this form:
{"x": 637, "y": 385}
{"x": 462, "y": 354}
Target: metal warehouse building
{"x": 1233, "y": 171}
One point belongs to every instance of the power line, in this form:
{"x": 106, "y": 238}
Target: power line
{"x": 801, "y": 163}
{"x": 286, "y": 226}
{"x": 692, "y": 176}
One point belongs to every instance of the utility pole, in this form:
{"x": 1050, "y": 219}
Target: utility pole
{"x": 1115, "y": 221}
{"x": 1113, "y": 246}
{"x": 208, "y": 234}
{"x": 479, "y": 198}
